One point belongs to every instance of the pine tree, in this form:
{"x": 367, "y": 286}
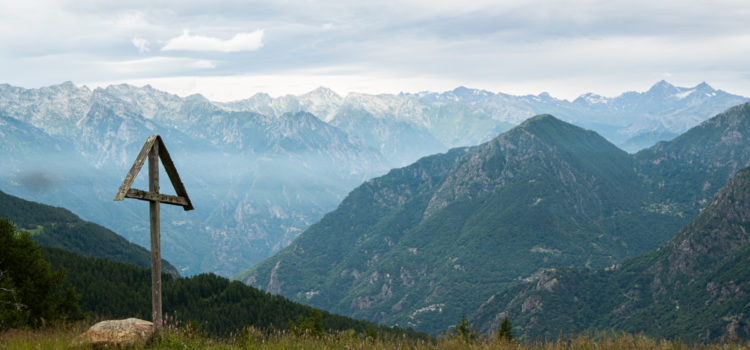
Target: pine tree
{"x": 505, "y": 333}
{"x": 312, "y": 324}
{"x": 30, "y": 294}
{"x": 464, "y": 330}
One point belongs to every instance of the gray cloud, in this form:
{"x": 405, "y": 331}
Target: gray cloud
{"x": 610, "y": 45}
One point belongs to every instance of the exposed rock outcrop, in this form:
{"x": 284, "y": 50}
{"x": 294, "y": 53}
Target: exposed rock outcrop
{"x": 128, "y": 332}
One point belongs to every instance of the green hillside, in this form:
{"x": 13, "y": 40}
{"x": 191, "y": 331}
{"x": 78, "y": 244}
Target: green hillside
{"x": 426, "y": 243}
{"x": 59, "y": 228}
{"x": 109, "y": 275}
{"x": 117, "y": 290}
{"x": 695, "y": 287}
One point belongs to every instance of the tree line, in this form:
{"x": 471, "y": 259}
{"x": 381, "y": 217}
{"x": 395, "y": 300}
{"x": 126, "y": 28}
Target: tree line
{"x": 43, "y": 284}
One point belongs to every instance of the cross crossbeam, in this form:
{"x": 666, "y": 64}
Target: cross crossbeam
{"x": 156, "y": 197}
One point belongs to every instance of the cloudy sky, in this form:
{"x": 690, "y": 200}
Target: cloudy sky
{"x": 230, "y": 50}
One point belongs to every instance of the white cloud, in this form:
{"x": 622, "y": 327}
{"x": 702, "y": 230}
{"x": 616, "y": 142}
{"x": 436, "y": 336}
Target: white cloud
{"x": 158, "y": 65}
{"x": 130, "y": 21}
{"x": 201, "y": 64}
{"x": 141, "y": 44}
{"x": 240, "y": 42}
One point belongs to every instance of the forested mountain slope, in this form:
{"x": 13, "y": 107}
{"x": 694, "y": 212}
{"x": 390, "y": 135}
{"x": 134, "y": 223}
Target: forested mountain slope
{"x": 423, "y": 244}
{"x": 685, "y": 173}
{"x": 693, "y": 287}
{"x": 217, "y": 305}
{"x": 59, "y": 228}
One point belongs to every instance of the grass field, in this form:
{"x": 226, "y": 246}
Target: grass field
{"x": 185, "y": 337}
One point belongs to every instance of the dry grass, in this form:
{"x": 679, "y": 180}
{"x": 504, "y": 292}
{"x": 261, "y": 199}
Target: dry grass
{"x": 58, "y": 337}
{"x": 187, "y": 337}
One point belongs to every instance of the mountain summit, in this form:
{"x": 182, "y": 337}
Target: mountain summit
{"x": 422, "y": 244}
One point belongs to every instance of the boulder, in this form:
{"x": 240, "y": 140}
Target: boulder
{"x": 128, "y": 332}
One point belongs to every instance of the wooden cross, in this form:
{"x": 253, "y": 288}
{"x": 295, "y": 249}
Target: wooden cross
{"x": 154, "y": 149}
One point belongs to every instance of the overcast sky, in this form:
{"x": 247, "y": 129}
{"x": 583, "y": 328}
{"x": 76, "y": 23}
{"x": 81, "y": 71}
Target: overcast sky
{"x": 230, "y": 50}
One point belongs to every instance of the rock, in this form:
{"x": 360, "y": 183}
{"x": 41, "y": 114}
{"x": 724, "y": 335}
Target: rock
{"x": 128, "y": 332}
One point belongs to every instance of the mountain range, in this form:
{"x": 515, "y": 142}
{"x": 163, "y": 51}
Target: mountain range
{"x": 261, "y": 170}
{"x": 423, "y": 244}
{"x": 257, "y": 181}
{"x": 466, "y": 117}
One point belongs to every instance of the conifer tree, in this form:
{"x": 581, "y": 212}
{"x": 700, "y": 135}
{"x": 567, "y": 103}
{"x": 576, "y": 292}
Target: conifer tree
{"x": 30, "y": 295}
{"x": 464, "y": 330}
{"x": 505, "y": 333}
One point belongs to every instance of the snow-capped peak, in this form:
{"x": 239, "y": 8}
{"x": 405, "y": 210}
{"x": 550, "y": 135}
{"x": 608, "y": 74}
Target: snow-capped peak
{"x": 592, "y": 98}
{"x": 686, "y": 93}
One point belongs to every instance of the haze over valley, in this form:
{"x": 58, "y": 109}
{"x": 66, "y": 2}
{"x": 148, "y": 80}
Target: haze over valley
{"x": 263, "y": 169}
{"x": 415, "y": 172}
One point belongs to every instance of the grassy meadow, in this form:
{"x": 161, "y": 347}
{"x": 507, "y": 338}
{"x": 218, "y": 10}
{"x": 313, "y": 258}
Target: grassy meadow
{"x": 186, "y": 337}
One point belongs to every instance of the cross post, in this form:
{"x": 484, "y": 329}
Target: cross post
{"x": 153, "y": 206}
{"x": 155, "y": 150}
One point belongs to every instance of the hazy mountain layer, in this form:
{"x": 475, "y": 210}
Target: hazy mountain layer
{"x": 256, "y": 181}
{"x": 467, "y": 117}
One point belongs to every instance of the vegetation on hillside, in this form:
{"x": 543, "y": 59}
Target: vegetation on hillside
{"x": 425, "y": 243}
{"x": 59, "y": 228}
{"x": 429, "y": 242}
{"x": 30, "y": 294}
{"x": 219, "y": 306}
{"x": 695, "y": 287}
{"x": 118, "y": 289}
{"x": 684, "y": 173}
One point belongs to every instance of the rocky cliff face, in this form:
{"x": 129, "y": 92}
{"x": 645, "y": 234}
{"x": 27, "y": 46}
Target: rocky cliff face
{"x": 51, "y": 109}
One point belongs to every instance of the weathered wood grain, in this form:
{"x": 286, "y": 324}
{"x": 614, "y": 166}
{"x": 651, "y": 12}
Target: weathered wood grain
{"x": 158, "y": 197}
{"x": 174, "y": 177}
{"x": 125, "y": 191}
{"x": 153, "y": 187}
{"x": 136, "y": 168}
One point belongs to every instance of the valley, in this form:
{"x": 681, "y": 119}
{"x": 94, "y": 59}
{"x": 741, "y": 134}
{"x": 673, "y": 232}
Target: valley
{"x": 263, "y": 169}
{"x": 423, "y": 244}
{"x": 478, "y": 201}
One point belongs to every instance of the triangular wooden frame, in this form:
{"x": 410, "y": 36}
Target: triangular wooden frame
{"x": 125, "y": 191}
